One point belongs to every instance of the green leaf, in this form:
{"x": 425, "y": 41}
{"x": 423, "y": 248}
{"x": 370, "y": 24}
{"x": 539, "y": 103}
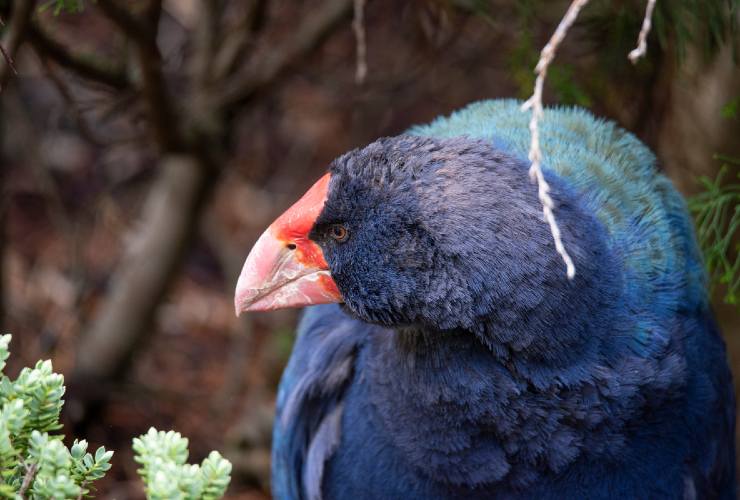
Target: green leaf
{"x": 29, "y": 411}
{"x": 730, "y": 110}
{"x": 216, "y": 472}
{"x": 4, "y": 352}
{"x": 59, "y": 6}
{"x": 717, "y": 216}
{"x": 167, "y": 476}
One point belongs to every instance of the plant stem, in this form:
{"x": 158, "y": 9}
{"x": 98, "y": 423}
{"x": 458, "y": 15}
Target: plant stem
{"x": 27, "y": 480}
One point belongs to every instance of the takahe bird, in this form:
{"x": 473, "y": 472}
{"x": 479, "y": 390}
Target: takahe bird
{"x": 453, "y": 358}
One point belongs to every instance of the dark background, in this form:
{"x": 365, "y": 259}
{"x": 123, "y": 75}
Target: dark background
{"x": 146, "y": 145}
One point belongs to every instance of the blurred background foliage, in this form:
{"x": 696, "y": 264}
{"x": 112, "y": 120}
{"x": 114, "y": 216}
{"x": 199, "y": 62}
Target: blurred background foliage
{"x": 147, "y": 143}
{"x": 717, "y": 214}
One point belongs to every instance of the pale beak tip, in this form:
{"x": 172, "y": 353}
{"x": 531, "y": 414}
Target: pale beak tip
{"x": 242, "y": 301}
{"x": 242, "y": 294}
{"x": 237, "y": 306}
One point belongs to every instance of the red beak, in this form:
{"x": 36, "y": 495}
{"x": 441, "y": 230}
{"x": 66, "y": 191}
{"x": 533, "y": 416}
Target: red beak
{"x": 285, "y": 268}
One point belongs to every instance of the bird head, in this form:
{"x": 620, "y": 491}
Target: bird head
{"x": 409, "y": 231}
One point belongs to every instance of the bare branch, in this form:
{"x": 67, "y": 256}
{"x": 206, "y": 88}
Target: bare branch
{"x": 638, "y": 52}
{"x": 8, "y": 60}
{"x": 27, "y": 480}
{"x": 179, "y": 197}
{"x": 535, "y": 153}
{"x": 84, "y": 65}
{"x": 310, "y": 33}
{"x": 143, "y": 33}
{"x": 237, "y": 43}
{"x": 535, "y": 104}
{"x": 82, "y": 125}
{"x": 16, "y": 31}
{"x": 131, "y": 26}
{"x": 82, "y": 490}
{"x": 206, "y": 41}
{"x": 170, "y": 216}
{"x": 358, "y": 25}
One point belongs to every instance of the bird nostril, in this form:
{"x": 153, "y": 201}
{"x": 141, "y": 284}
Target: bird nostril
{"x": 291, "y": 246}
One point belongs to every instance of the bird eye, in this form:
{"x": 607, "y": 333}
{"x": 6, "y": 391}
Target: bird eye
{"x": 338, "y": 232}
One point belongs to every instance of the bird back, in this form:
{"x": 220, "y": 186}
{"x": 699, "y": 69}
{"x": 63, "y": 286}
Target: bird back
{"x": 617, "y": 178}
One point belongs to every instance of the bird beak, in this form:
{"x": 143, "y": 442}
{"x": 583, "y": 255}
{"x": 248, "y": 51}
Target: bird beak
{"x": 285, "y": 268}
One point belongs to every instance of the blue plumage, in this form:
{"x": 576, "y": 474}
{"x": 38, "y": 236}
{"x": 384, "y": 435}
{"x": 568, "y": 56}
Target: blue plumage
{"x": 463, "y": 364}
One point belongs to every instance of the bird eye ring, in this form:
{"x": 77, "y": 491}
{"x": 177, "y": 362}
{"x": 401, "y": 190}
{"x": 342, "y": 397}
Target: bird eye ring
{"x": 338, "y": 233}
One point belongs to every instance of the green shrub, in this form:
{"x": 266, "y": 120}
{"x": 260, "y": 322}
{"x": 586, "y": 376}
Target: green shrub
{"x": 33, "y": 460}
{"x": 166, "y": 474}
{"x": 35, "y": 463}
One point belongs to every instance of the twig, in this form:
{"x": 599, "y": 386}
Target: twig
{"x": 639, "y": 51}
{"x": 131, "y": 25}
{"x": 27, "y": 480}
{"x": 207, "y": 40}
{"x": 66, "y": 94}
{"x": 535, "y": 153}
{"x": 142, "y": 31}
{"x": 82, "y": 490}
{"x": 83, "y": 65}
{"x": 358, "y": 25}
{"x": 240, "y": 40}
{"x": 8, "y": 60}
{"x": 11, "y": 42}
{"x": 310, "y": 33}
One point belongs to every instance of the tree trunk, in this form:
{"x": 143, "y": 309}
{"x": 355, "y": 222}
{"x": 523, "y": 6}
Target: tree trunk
{"x": 170, "y": 216}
